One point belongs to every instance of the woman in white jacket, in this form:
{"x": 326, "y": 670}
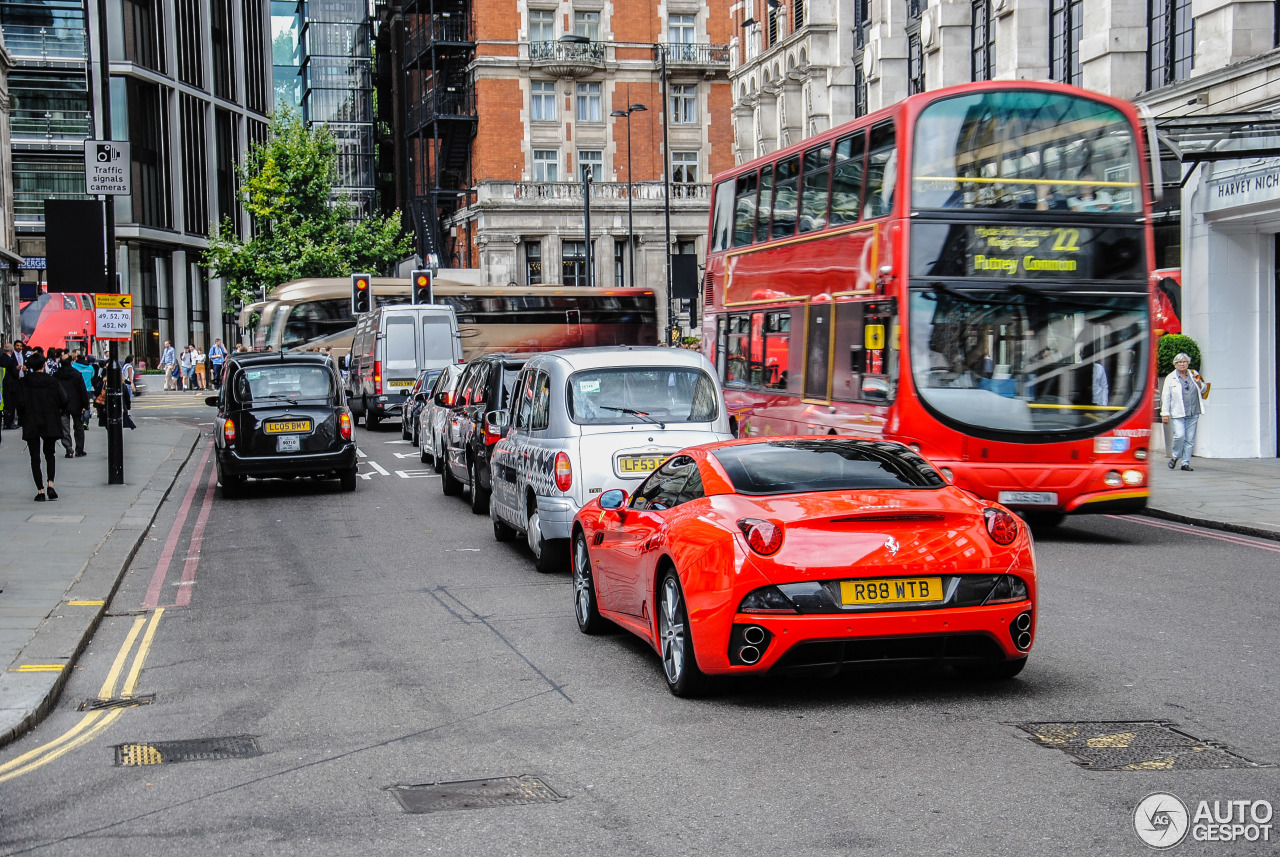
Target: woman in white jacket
{"x": 1182, "y": 400}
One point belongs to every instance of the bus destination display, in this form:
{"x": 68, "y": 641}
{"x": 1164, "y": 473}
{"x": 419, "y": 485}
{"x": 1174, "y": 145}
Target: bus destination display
{"x": 1032, "y": 252}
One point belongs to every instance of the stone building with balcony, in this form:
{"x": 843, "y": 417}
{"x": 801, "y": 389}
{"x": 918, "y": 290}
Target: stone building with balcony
{"x": 509, "y": 104}
{"x": 1208, "y": 70}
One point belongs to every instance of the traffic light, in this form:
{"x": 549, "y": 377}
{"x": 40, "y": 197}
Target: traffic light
{"x": 422, "y": 287}
{"x": 361, "y": 293}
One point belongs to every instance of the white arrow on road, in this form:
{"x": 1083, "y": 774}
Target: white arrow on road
{"x": 416, "y": 474}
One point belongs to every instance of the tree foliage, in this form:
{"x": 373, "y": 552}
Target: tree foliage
{"x": 300, "y": 230}
{"x": 1171, "y": 345}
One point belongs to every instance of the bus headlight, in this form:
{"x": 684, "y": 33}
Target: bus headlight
{"x": 1113, "y": 479}
{"x": 1132, "y": 477}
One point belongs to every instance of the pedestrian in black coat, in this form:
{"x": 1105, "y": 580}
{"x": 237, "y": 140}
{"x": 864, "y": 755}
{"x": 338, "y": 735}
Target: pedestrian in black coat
{"x": 77, "y": 403}
{"x": 9, "y": 362}
{"x": 43, "y": 403}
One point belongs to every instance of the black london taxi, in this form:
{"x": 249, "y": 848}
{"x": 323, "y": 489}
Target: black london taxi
{"x": 282, "y": 415}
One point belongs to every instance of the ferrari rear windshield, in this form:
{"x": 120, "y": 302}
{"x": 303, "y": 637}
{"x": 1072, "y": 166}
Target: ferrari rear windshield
{"x": 802, "y": 466}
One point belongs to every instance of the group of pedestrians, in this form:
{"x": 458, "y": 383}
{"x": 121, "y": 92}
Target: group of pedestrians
{"x": 51, "y": 397}
{"x": 192, "y": 368}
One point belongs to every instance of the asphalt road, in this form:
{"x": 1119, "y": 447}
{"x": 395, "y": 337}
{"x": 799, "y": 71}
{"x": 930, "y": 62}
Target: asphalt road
{"x": 383, "y": 638}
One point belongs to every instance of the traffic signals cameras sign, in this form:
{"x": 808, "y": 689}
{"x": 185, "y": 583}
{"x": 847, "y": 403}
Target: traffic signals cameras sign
{"x": 422, "y": 293}
{"x": 361, "y": 293}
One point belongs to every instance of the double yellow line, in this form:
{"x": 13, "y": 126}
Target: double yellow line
{"x": 94, "y": 722}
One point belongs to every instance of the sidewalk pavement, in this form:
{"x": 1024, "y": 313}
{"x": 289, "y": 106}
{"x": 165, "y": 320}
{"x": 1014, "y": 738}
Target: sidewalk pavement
{"x": 64, "y": 559}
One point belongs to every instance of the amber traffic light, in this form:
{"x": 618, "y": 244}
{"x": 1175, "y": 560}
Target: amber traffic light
{"x": 422, "y": 287}
{"x": 361, "y": 293}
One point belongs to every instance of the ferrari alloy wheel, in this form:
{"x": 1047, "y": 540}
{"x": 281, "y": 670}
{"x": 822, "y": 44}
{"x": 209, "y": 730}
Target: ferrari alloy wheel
{"x": 674, "y": 642}
{"x": 584, "y": 588}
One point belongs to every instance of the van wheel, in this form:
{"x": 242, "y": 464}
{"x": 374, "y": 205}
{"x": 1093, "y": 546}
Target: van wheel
{"x": 448, "y": 482}
{"x": 502, "y": 531}
{"x": 479, "y": 496}
{"x": 349, "y": 479}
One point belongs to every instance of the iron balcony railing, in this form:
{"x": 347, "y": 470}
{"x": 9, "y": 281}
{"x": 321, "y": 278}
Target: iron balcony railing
{"x": 570, "y": 193}
{"x": 448, "y": 103}
{"x": 685, "y": 54}
{"x": 63, "y": 44}
{"x": 553, "y": 52}
{"x": 423, "y": 32}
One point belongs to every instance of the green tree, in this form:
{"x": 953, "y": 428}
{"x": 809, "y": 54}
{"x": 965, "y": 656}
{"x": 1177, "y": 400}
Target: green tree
{"x": 300, "y": 230}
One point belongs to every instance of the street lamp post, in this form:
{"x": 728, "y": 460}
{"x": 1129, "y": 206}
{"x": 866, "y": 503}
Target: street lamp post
{"x": 666, "y": 196}
{"x": 631, "y": 228}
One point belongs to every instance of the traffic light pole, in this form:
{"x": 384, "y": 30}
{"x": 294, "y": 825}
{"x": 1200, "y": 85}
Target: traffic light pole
{"x": 113, "y": 387}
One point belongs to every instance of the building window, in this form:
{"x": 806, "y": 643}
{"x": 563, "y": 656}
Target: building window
{"x": 859, "y": 88}
{"x": 861, "y": 22}
{"x": 684, "y": 103}
{"x": 1171, "y": 48}
{"x": 587, "y": 24}
{"x": 1065, "y": 25}
{"x": 532, "y": 262}
{"x": 588, "y": 102}
{"x": 142, "y": 29}
{"x": 684, "y": 167}
{"x": 915, "y": 64}
{"x": 983, "y": 40}
{"x": 543, "y": 100}
{"x": 681, "y": 29}
{"x": 573, "y": 263}
{"x": 593, "y": 160}
{"x": 776, "y": 19}
{"x": 798, "y": 13}
{"x": 546, "y": 165}
{"x": 619, "y": 248}
{"x": 542, "y": 33}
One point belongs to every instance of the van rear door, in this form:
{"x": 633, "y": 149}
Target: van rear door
{"x": 400, "y": 352}
{"x": 439, "y": 345}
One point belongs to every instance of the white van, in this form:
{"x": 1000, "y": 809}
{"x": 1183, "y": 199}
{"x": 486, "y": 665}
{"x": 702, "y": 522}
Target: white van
{"x": 391, "y": 346}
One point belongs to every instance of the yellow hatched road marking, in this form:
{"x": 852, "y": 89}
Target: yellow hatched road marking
{"x": 94, "y": 722}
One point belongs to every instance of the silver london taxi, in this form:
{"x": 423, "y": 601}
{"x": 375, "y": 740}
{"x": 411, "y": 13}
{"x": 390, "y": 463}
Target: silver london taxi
{"x": 585, "y": 420}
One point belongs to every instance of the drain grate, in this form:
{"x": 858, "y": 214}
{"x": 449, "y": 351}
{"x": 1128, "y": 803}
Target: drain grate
{"x": 475, "y": 794}
{"x": 1143, "y": 745}
{"x": 100, "y": 704}
{"x": 193, "y": 750}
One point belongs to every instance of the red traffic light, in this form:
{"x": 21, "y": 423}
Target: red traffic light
{"x": 362, "y": 284}
{"x": 423, "y": 279}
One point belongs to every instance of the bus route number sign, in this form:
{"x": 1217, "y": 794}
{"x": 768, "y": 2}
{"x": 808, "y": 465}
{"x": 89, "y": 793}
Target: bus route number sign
{"x": 1022, "y": 251}
{"x": 114, "y": 315}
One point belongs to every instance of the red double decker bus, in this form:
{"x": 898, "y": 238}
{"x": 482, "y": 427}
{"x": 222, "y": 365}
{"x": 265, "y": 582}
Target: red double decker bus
{"x": 968, "y": 272}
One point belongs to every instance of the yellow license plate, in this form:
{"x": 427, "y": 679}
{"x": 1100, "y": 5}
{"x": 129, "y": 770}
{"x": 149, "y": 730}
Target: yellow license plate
{"x": 896, "y": 590}
{"x": 290, "y": 427}
{"x": 400, "y": 383}
{"x": 639, "y": 463}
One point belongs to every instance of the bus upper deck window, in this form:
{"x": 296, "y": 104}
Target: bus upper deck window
{"x": 882, "y": 171}
{"x": 786, "y": 189}
{"x": 744, "y": 217}
{"x": 846, "y": 179}
{"x": 766, "y": 202}
{"x": 721, "y": 225}
{"x": 817, "y": 182}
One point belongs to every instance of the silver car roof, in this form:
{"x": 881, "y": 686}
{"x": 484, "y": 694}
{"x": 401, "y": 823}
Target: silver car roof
{"x": 622, "y": 355}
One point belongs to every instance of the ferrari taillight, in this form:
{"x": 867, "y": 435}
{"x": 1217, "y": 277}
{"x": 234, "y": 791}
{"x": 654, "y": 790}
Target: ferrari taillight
{"x": 344, "y": 426}
{"x": 377, "y": 377}
{"x": 1002, "y": 526}
{"x": 564, "y": 471}
{"x": 764, "y": 537}
{"x": 229, "y": 431}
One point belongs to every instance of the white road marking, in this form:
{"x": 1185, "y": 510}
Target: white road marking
{"x": 394, "y": 441}
{"x": 365, "y": 476}
{"x": 360, "y": 452}
{"x": 405, "y": 454}
{"x": 378, "y": 467}
{"x": 416, "y": 474}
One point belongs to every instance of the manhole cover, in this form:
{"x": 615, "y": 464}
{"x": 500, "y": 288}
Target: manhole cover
{"x": 1143, "y": 745}
{"x": 99, "y": 704}
{"x": 193, "y": 750}
{"x": 475, "y": 794}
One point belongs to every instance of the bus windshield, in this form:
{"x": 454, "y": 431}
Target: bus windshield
{"x": 1027, "y": 363}
{"x": 1024, "y": 149}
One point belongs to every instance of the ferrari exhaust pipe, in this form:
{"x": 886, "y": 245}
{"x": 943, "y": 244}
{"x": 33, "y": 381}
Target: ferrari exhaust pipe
{"x": 749, "y": 654}
{"x": 753, "y": 635}
{"x": 1021, "y": 631}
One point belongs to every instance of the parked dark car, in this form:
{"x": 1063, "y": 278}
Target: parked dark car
{"x": 414, "y": 404}
{"x": 282, "y": 415}
{"x": 485, "y": 386}
{"x": 434, "y": 416}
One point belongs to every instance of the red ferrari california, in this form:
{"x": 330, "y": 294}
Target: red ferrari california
{"x": 806, "y": 555}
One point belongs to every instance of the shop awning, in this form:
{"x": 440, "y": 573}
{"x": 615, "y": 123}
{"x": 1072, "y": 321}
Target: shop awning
{"x": 1224, "y": 137}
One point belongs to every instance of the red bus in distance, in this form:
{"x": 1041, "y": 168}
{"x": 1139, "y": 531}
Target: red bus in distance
{"x": 59, "y": 320}
{"x": 968, "y": 272}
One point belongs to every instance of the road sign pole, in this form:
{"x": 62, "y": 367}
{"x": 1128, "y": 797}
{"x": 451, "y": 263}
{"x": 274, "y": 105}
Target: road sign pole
{"x": 115, "y": 393}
